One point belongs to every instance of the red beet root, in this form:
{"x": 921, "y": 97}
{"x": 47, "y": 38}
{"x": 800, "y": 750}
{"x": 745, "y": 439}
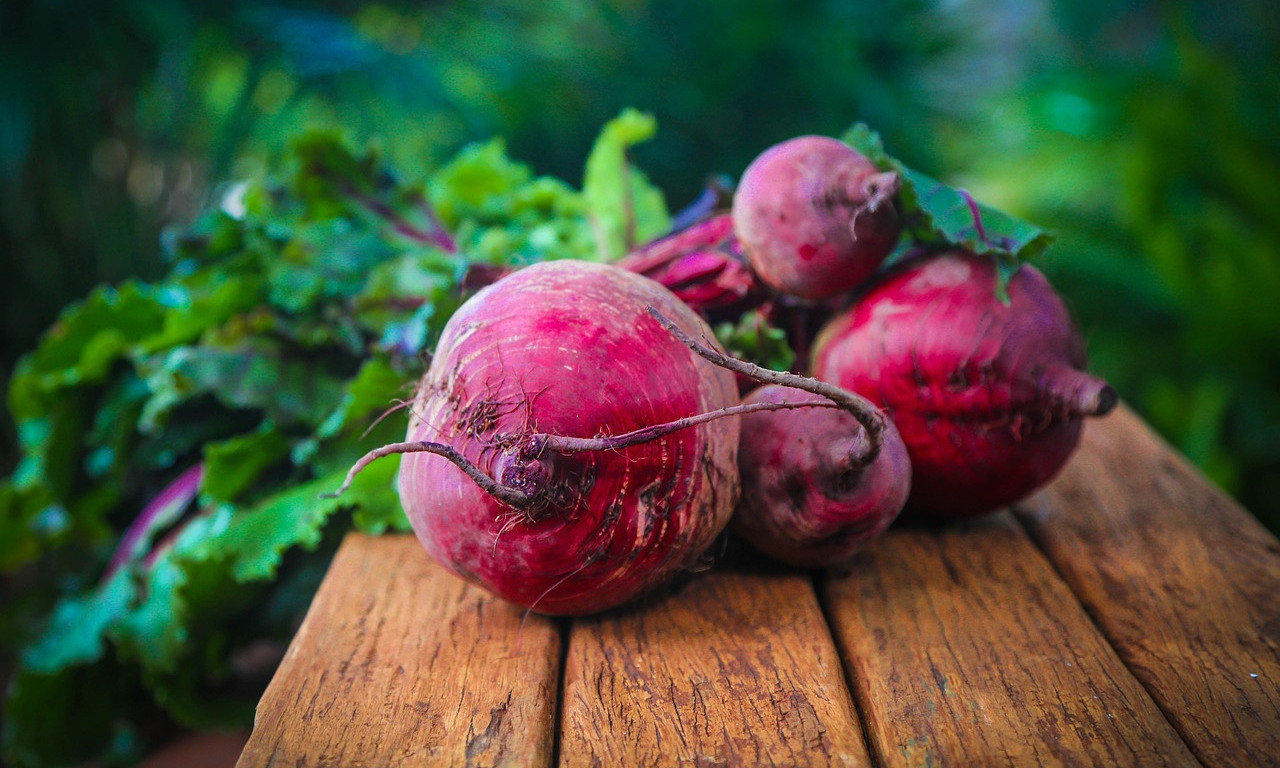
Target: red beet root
{"x": 988, "y": 397}
{"x": 807, "y": 498}
{"x": 526, "y": 377}
{"x": 815, "y": 217}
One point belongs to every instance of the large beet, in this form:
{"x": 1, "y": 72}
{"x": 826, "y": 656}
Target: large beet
{"x": 988, "y": 396}
{"x": 568, "y": 349}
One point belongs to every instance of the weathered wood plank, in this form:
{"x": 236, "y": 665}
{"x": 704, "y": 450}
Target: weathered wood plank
{"x": 965, "y": 648}
{"x": 400, "y": 663}
{"x": 1184, "y": 583}
{"x": 735, "y": 669}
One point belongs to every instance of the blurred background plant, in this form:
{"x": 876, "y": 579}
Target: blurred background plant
{"x": 1143, "y": 133}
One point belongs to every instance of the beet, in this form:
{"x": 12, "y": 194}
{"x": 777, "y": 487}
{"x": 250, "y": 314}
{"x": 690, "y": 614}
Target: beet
{"x": 807, "y": 497}
{"x": 988, "y": 395}
{"x": 815, "y": 217}
{"x": 565, "y": 450}
{"x": 567, "y": 348}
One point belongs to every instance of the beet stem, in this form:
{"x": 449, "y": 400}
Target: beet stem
{"x": 976, "y": 213}
{"x": 870, "y": 417}
{"x": 159, "y": 512}
{"x": 562, "y": 444}
{"x": 510, "y": 496}
{"x": 880, "y": 188}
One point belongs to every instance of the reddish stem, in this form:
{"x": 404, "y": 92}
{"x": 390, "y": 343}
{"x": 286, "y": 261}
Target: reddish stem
{"x": 537, "y": 443}
{"x": 870, "y": 417}
{"x": 535, "y": 446}
{"x": 510, "y": 496}
{"x": 159, "y": 512}
{"x": 976, "y": 213}
{"x": 715, "y": 196}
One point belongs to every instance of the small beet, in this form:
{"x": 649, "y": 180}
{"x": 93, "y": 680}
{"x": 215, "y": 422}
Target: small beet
{"x": 808, "y": 498}
{"x": 989, "y": 396}
{"x": 815, "y": 217}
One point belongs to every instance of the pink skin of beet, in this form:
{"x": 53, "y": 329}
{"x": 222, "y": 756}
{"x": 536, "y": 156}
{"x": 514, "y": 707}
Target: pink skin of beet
{"x": 815, "y": 217}
{"x": 806, "y": 498}
{"x": 568, "y": 349}
{"x": 988, "y": 397}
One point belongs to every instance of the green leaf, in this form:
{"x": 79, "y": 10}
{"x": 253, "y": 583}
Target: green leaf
{"x": 333, "y": 182}
{"x": 213, "y": 237}
{"x": 155, "y": 628}
{"x": 940, "y": 216}
{"x": 375, "y": 491}
{"x": 625, "y": 207}
{"x": 45, "y": 393}
{"x": 204, "y": 300}
{"x": 86, "y": 340}
{"x": 502, "y": 214}
{"x": 478, "y": 183}
{"x": 21, "y": 511}
{"x": 254, "y": 539}
{"x": 114, "y": 428}
{"x": 861, "y": 137}
{"x": 755, "y": 339}
{"x": 935, "y": 210}
{"x": 79, "y": 624}
{"x": 323, "y": 261}
{"x": 52, "y": 444}
{"x": 407, "y": 299}
{"x": 257, "y": 373}
{"x": 231, "y": 466}
{"x": 377, "y": 388}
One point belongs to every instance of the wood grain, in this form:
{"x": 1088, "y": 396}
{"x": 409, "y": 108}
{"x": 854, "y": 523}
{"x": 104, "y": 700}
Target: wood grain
{"x": 1184, "y": 583}
{"x": 1127, "y": 615}
{"x": 965, "y": 648}
{"x": 737, "y": 669}
{"x": 400, "y": 663}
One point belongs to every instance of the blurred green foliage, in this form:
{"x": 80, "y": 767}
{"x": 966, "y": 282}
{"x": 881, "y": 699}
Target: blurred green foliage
{"x": 1142, "y": 133}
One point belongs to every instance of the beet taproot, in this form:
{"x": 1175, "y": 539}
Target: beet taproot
{"x": 988, "y": 395}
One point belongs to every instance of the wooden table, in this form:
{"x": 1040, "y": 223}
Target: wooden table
{"x": 1127, "y": 615}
